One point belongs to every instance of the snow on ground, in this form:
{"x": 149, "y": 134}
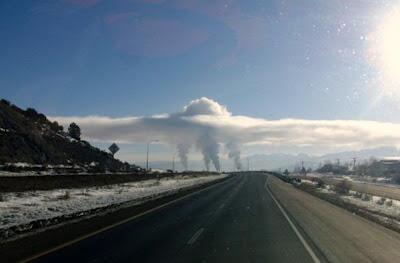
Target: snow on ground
{"x": 316, "y": 175}
{"x": 306, "y": 181}
{"x": 383, "y": 205}
{"x": 25, "y": 173}
{"x": 22, "y": 208}
{"x": 327, "y": 189}
{"x": 48, "y": 172}
{"x": 375, "y": 203}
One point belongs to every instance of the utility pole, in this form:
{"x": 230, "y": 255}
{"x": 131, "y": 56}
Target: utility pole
{"x": 354, "y": 162}
{"x": 248, "y": 164}
{"x": 173, "y": 162}
{"x": 147, "y": 157}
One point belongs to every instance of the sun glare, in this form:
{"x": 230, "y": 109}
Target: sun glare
{"x": 385, "y": 51}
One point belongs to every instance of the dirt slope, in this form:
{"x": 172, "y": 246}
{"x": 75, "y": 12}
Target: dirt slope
{"x": 28, "y": 136}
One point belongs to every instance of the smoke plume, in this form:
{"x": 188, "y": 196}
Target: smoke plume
{"x": 234, "y": 154}
{"x": 209, "y": 147}
{"x": 207, "y": 125}
{"x": 183, "y": 151}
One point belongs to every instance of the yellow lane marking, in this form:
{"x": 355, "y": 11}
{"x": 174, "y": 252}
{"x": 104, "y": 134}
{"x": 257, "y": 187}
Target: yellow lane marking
{"x": 115, "y": 224}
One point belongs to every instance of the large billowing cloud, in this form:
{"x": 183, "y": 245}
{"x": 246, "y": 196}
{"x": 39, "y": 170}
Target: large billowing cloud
{"x": 206, "y": 125}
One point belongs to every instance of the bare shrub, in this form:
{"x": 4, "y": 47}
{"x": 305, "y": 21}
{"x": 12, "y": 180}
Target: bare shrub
{"x": 342, "y": 187}
{"x": 366, "y": 197}
{"x": 65, "y": 196}
{"x": 85, "y": 192}
{"x": 389, "y": 202}
{"x": 356, "y": 194}
{"x": 381, "y": 201}
{"x": 319, "y": 181}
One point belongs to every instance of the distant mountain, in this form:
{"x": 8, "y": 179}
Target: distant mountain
{"x": 289, "y": 161}
{"x": 364, "y": 154}
{"x": 277, "y": 161}
{"x": 28, "y": 136}
{"x": 256, "y": 162}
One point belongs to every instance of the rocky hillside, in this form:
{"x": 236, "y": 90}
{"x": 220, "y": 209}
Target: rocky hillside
{"x": 28, "y": 136}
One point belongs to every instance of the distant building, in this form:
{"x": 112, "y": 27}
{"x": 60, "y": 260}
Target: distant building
{"x": 390, "y": 165}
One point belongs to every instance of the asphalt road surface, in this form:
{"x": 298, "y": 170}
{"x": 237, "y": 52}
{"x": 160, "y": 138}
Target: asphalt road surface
{"x": 234, "y": 221}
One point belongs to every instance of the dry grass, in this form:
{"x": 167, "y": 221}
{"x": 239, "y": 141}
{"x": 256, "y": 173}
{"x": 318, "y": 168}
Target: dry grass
{"x": 342, "y": 187}
{"x": 366, "y": 197}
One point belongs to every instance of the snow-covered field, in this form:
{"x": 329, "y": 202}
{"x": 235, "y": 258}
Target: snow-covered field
{"x": 355, "y": 178}
{"x": 379, "y": 204}
{"x": 305, "y": 181}
{"x": 22, "y": 208}
{"x": 25, "y": 173}
{"x": 384, "y": 206}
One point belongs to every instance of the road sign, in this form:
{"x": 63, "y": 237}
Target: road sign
{"x": 113, "y": 148}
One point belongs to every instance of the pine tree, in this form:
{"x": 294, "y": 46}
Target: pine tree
{"x": 74, "y": 131}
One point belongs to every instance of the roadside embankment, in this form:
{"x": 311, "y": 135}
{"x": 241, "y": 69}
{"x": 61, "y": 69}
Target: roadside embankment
{"x": 387, "y": 191}
{"x": 340, "y": 235}
{"x": 22, "y": 183}
{"x": 356, "y": 198}
{"x": 391, "y": 191}
{"x": 24, "y": 212}
{"x": 32, "y": 243}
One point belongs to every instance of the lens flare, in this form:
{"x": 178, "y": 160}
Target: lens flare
{"x": 384, "y": 51}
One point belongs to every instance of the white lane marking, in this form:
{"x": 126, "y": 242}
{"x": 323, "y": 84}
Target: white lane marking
{"x": 195, "y": 236}
{"x": 303, "y": 241}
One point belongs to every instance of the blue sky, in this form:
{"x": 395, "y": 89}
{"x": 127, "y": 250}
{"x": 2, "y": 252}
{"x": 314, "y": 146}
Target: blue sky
{"x": 264, "y": 59}
{"x": 62, "y": 58}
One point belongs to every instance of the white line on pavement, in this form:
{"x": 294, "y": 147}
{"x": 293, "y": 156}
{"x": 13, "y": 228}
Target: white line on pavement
{"x": 303, "y": 241}
{"x": 195, "y": 236}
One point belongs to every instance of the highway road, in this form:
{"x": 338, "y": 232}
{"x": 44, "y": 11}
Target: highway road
{"x": 234, "y": 221}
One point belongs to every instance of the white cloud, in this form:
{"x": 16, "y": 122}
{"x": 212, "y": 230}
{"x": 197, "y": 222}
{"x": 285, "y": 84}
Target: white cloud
{"x": 204, "y": 120}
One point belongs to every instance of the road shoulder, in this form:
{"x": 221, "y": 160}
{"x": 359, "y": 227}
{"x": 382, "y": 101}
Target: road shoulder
{"x": 340, "y": 235}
